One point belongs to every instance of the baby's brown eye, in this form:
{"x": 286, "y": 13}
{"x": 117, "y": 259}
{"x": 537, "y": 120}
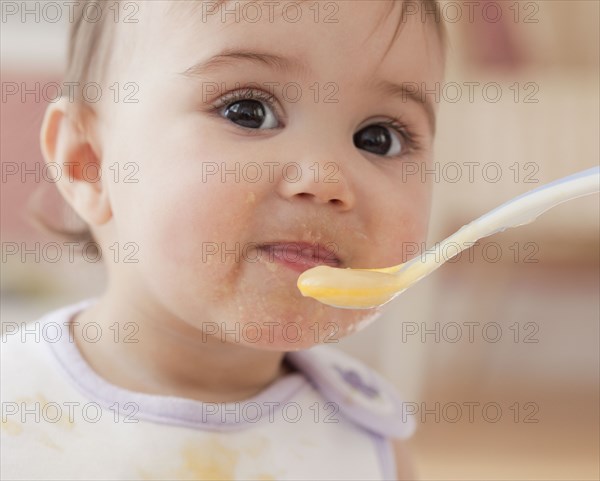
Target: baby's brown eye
{"x": 251, "y": 114}
{"x": 378, "y": 140}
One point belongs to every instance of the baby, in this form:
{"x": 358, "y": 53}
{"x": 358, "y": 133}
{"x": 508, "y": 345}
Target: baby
{"x": 239, "y": 144}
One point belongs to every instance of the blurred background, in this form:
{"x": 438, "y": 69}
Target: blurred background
{"x": 497, "y": 354}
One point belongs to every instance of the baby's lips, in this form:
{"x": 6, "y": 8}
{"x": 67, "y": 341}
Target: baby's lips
{"x": 311, "y": 252}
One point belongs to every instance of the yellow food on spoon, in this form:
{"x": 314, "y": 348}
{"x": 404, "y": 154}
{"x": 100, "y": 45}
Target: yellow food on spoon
{"x": 360, "y": 288}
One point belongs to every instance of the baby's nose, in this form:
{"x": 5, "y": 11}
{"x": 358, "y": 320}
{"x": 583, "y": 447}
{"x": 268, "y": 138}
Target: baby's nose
{"x": 319, "y": 182}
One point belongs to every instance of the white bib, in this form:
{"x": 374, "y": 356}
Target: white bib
{"x": 332, "y": 419}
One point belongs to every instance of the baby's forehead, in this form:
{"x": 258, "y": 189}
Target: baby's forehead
{"x": 352, "y": 18}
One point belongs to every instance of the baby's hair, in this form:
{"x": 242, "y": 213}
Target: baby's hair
{"x": 90, "y": 43}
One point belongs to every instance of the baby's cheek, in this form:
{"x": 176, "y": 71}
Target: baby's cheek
{"x": 173, "y": 239}
{"x": 403, "y": 237}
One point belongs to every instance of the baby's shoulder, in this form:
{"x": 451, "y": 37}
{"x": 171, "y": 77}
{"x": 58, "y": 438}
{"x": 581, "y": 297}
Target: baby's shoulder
{"x": 27, "y": 360}
{"x": 359, "y": 392}
{"x": 24, "y": 346}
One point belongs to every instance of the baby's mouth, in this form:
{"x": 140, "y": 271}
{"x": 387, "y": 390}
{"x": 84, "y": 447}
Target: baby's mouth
{"x": 301, "y": 256}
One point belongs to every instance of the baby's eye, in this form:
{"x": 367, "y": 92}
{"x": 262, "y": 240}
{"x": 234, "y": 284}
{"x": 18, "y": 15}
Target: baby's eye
{"x": 248, "y": 109}
{"x": 380, "y": 140}
{"x": 251, "y": 114}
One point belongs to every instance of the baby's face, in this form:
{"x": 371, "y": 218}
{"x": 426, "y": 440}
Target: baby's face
{"x": 288, "y": 137}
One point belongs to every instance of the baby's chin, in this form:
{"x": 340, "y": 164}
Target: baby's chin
{"x": 279, "y": 324}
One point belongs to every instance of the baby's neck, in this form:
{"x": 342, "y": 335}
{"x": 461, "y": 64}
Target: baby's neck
{"x": 171, "y": 358}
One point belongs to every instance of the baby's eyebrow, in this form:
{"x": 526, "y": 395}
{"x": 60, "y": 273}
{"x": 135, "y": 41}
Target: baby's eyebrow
{"x": 229, "y": 56}
{"x": 411, "y": 91}
{"x": 405, "y": 91}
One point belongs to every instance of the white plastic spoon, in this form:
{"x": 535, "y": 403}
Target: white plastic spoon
{"x": 369, "y": 288}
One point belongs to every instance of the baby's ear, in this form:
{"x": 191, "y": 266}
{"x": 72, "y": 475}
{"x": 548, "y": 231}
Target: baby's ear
{"x": 69, "y": 144}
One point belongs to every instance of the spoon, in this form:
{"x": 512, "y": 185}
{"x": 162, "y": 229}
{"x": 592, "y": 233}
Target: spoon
{"x": 369, "y": 288}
